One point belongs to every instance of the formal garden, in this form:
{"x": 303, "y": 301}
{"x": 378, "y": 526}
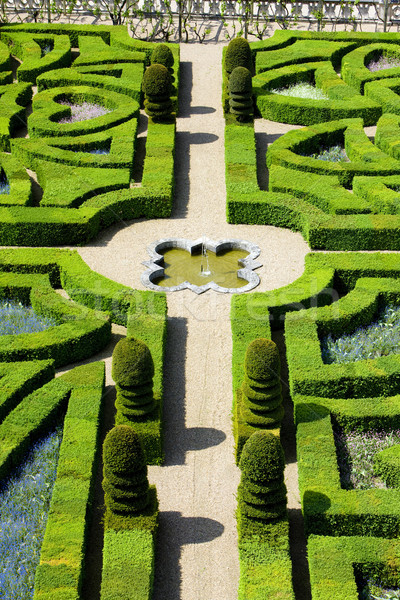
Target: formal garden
{"x": 73, "y": 165}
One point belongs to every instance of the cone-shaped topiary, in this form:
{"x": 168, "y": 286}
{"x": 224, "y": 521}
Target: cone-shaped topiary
{"x": 162, "y": 55}
{"x": 238, "y": 54}
{"x": 262, "y": 491}
{"x": 132, "y": 371}
{"x": 240, "y": 93}
{"x": 157, "y": 90}
{"x": 261, "y": 404}
{"x": 125, "y": 484}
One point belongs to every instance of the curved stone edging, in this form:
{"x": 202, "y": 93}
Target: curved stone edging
{"x": 156, "y": 270}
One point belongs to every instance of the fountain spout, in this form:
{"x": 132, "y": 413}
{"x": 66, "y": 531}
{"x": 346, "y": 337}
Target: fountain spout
{"x": 204, "y": 267}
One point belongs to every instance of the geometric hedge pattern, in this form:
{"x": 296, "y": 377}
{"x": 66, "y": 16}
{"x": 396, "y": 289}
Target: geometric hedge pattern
{"x": 345, "y": 207}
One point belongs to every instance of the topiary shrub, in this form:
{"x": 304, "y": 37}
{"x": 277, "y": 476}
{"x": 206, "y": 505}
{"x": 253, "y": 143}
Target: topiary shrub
{"x": 240, "y": 93}
{"x": 133, "y": 371}
{"x": 238, "y": 54}
{"x": 157, "y": 90}
{"x": 261, "y": 404}
{"x": 125, "y": 484}
{"x": 162, "y": 55}
{"x": 262, "y": 491}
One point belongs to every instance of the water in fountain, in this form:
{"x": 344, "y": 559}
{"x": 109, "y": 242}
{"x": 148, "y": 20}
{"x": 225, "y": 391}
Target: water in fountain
{"x": 204, "y": 267}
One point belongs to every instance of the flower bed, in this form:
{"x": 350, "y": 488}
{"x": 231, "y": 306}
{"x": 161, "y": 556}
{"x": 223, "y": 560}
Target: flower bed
{"x": 83, "y": 111}
{"x": 24, "y": 504}
{"x": 16, "y": 318}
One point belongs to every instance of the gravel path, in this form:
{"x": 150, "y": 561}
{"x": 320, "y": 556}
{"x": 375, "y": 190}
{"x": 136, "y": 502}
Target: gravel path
{"x": 197, "y": 554}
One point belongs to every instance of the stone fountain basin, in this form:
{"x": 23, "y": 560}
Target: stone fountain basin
{"x": 156, "y": 264}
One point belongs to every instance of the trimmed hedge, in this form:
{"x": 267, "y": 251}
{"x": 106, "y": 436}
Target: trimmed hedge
{"x": 354, "y": 65}
{"x": 75, "y": 150}
{"x": 300, "y": 50}
{"x": 132, "y": 371}
{"x": 13, "y": 100}
{"x": 344, "y": 101}
{"x": 359, "y": 395}
{"x": 128, "y": 565}
{"x": 259, "y": 400}
{"x": 28, "y": 48}
{"x": 29, "y": 420}
{"x": 60, "y": 572}
{"x": 122, "y": 78}
{"x": 306, "y": 197}
{"x": 19, "y": 181}
{"x": 66, "y": 269}
{"x": 265, "y": 565}
{"x": 20, "y": 379}
{"x": 95, "y": 51}
{"x": 47, "y": 111}
{"x": 80, "y": 331}
{"x": 334, "y": 562}
{"x": 105, "y": 73}
{"x": 327, "y": 508}
{"x": 125, "y": 483}
{"x": 308, "y": 373}
{"x": 47, "y": 226}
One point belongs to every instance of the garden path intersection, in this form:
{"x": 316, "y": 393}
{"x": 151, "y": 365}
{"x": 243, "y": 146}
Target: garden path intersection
{"x": 197, "y": 555}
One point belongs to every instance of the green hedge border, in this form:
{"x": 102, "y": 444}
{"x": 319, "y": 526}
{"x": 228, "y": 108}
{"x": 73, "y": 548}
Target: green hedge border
{"x": 28, "y": 49}
{"x": 80, "y": 332}
{"x": 295, "y": 210}
{"x": 344, "y": 101}
{"x": 62, "y": 558}
{"x": 333, "y": 562}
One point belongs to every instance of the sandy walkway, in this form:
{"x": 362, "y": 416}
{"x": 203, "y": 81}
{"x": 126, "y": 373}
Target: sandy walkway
{"x": 197, "y": 547}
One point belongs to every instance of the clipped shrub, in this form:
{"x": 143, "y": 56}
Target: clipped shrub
{"x": 162, "y": 55}
{"x": 125, "y": 484}
{"x": 133, "y": 371}
{"x": 240, "y": 93}
{"x": 261, "y": 404}
{"x": 238, "y": 54}
{"x": 157, "y": 90}
{"x": 262, "y": 491}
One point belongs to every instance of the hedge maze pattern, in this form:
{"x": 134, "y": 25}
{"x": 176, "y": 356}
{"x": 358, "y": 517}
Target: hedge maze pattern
{"x": 341, "y": 206}
{"x": 336, "y": 206}
{"x": 32, "y": 400}
{"x": 346, "y": 207}
{"x": 101, "y": 188}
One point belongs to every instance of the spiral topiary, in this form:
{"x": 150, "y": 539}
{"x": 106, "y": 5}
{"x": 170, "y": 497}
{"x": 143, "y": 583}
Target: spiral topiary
{"x": 261, "y": 388}
{"x": 125, "y": 484}
{"x": 157, "y": 90}
{"x": 240, "y": 93}
{"x": 262, "y": 491}
{"x": 238, "y": 54}
{"x": 162, "y": 55}
{"x": 132, "y": 371}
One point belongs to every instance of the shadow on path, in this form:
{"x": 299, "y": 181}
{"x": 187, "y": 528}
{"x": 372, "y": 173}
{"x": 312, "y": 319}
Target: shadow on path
{"x": 193, "y": 438}
{"x": 174, "y": 532}
{"x": 185, "y": 89}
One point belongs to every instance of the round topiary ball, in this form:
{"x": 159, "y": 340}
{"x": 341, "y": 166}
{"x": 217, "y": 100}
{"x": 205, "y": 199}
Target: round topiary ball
{"x": 262, "y": 457}
{"x": 157, "y": 81}
{"x": 262, "y": 359}
{"x": 238, "y": 54}
{"x": 132, "y": 363}
{"x": 122, "y": 450}
{"x": 240, "y": 81}
{"x": 162, "y": 55}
